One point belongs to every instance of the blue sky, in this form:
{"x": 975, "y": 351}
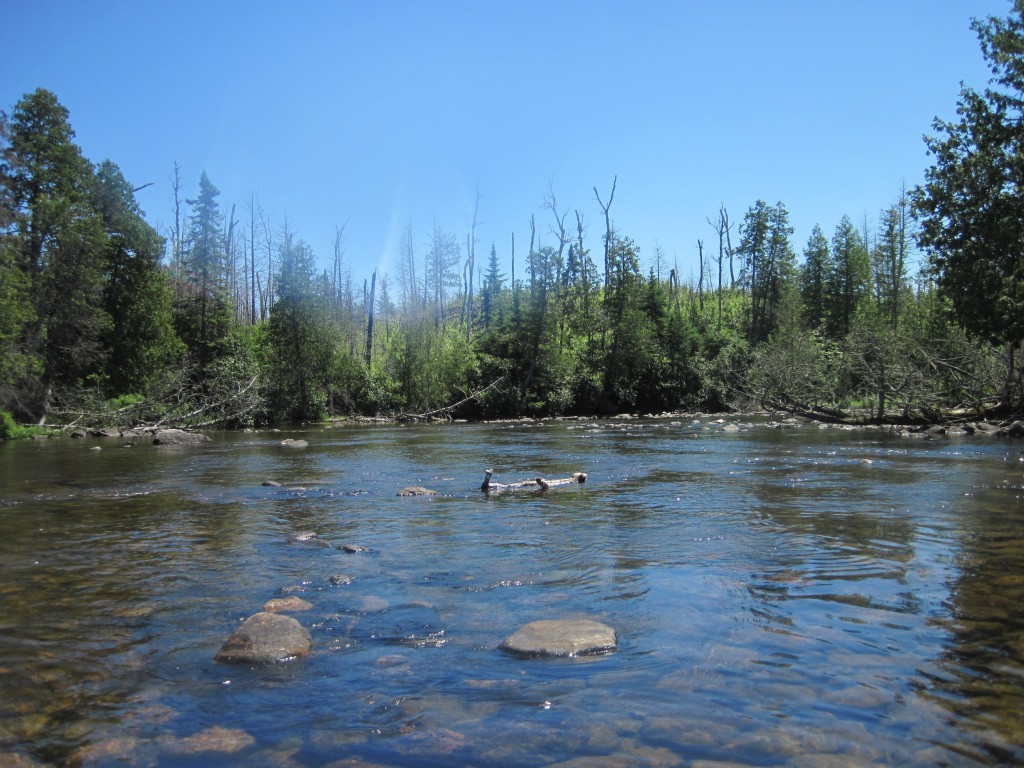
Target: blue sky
{"x": 381, "y": 115}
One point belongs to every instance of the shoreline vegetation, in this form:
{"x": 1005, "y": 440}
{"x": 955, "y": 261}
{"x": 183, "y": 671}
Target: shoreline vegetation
{"x": 225, "y": 320}
{"x": 959, "y": 424}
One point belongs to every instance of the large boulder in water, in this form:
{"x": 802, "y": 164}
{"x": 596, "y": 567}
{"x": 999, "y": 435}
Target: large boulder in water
{"x": 179, "y": 437}
{"x": 561, "y": 637}
{"x": 264, "y": 638}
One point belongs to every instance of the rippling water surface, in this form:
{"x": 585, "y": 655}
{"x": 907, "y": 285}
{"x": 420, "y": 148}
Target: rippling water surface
{"x": 782, "y": 597}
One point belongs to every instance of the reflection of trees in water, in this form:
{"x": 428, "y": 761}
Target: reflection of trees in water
{"x": 983, "y": 667}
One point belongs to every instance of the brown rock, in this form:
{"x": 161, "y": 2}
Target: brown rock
{"x": 179, "y": 437}
{"x": 265, "y": 637}
{"x": 561, "y": 637}
{"x": 215, "y": 739}
{"x": 285, "y": 604}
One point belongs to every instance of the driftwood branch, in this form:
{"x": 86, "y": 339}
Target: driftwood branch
{"x": 446, "y": 411}
{"x": 208, "y": 406}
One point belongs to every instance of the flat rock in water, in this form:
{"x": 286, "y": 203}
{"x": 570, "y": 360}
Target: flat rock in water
{"x": 561, "y": 637}
{"x": 416, "y": 490}
{"x": 270, "y": 484}
{"x": 291, "y": 443}
{"x": 264, "y": 638}
{"x": 285, "y": 604}
{"x": 179, "y": 437}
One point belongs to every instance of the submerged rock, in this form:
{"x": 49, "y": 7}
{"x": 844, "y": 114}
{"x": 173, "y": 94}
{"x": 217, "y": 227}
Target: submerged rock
{"x": 561, "y": 637}
{"x": 415, "y": 490}
{"x": 285, "y": 604}
{"x": 292, "y": 443}
{"x": 215, "y": 739}
{"x": 353, "y": 548}
{"x": 264, "y": 638}
{"x": 308, "y": 537}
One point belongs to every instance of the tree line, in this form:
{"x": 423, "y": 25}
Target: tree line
{"x": 225, "y": 318}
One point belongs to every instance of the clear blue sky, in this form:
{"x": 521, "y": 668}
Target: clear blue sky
{"x": 385, "y": 114}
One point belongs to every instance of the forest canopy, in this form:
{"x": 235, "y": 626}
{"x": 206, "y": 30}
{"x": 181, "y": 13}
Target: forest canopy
{"x": 226, "y": 319}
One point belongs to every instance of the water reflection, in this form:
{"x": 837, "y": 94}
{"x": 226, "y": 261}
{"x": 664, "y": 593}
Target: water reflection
{"x": 782, "y": 597}
{"x": 981, "y": 672}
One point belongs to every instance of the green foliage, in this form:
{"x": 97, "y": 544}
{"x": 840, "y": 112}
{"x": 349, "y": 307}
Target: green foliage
{"x": 971, "y": 207}
{"x": 850, "y": 279}
{"x": 92, "y": 325}
{"x": 770, "y": 263}
{"x": 816, "y": 278}
{"x": 794, "y": 370}
{"x": 202, "y": 313}
{"x": 137, "y": 293}
{"x": 302, "y": 344}
{"x": 9, "y": 430}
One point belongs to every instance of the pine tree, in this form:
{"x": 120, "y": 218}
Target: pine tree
{"x": 851, "y": 278}
{"x": 55, "y": 243}
{"x": 815, "y": 278}
{"x": 203, "y": 314}
{"x": 972, "y": 205}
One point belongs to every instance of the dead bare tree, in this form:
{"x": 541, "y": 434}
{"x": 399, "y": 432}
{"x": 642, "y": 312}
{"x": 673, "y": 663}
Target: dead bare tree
{"x": 231, "y": 257}
{"x": 607, "y": 227}
{"x": 369, "y": 322}
{"x": 471, "y": 264}
{"x": 721, "y": 227}
{"x": 176, "y": 244}
{"x": 558, "y": 229}
{"x": 255, "y": 216}
{"x": 700, "y": 280}
{"x": 339, "y": 273}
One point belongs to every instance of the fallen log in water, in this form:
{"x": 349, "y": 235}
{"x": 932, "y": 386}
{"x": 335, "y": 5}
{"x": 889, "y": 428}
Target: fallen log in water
{"x": 536, "y": 484}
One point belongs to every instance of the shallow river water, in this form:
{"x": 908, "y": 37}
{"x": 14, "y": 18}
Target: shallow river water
{"x": 782, "y": 597}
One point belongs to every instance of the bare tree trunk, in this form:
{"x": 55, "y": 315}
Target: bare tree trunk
{"x": 728, "y": 244}
{"x": 471, "y": 260}
{"x": 254, "y": 213}
{"x": 337, "y": 268}
{"x": 722, "y": 228}
{"x": 231, "y": 257}
{"x": 700, "y": 281}
{"x": 267, "y": 303}
{"x": 583, "y": 267}
{"x": 176, "y": 245}
{"x": 607, "y": 226}
{"x": 369, "y": 322}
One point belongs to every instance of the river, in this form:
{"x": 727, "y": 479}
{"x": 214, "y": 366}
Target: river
{"x": 791, "y": 596}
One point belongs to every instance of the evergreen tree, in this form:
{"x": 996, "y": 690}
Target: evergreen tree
{"x": 891, "y": 256}
{"x": 851, "y": 278}
{"x": 54, "y": 242}
{"x": 815, "y": 278}
{"x": 203, "y": 315}
{"x": 971, "y": 205}
{"x": 302, "y": 345}
{"x": 494, "y": 283}
{"x": 137, "y": 292}
{"x": 770, "y": 263}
